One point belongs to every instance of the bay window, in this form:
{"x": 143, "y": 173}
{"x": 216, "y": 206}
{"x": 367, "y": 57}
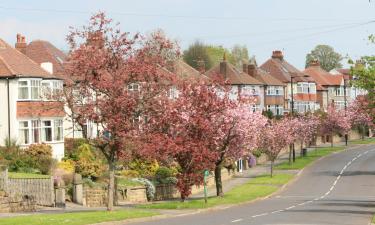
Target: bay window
{"x": 36, "y": 89}
{"x": 276, "y": 109}
{"x": 306, "y": 88}
{"x": 23, "y": 90}
{"x": 40, "y": 131}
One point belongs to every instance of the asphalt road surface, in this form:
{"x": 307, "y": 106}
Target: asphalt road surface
{"x": 338, "y": 189}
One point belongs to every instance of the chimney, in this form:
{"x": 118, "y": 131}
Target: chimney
{"x": 223, "y": 66}
{"x": 252, "y": 70}
{"x": 244, "y": 68}
{"x": 21, "y": 44}
{"x": 277, "y": 54}
{"x": 314, "y": 62}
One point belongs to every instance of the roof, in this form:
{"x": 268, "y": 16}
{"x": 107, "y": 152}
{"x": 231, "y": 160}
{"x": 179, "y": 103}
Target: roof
{"x": 322, "y": 77}
{"x": 267, "y": 79}
{"x": 282, "y": 70}
{"x": 233, "y": 75}
{"x": 43, "y": 51}
{"x": 14, "y": 63}
{"x": 182, "y": 69}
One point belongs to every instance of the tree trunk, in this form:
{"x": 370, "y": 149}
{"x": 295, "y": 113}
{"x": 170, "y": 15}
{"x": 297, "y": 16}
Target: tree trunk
{"x": 301, "y": 151}
{"x": 294, "y": 153}
{"x": 111, "y": 186}
{"x": 271, "y": 168}
{"x": 218, "y": 182}
{"x": 331, "y": 140}
{"x": 363, "y": 132}
{"x": 290, "y": 154}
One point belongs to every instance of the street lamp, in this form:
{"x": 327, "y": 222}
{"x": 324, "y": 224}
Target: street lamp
{"x": 346, "y": 135}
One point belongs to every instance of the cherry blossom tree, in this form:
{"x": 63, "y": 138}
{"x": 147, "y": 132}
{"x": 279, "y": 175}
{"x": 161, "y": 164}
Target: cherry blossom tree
{"x": 360, "y": 116}
{"x": 308, "y": 129}
{"x": 275, "y": 136}
{"x": 236, "y": 133}
{"x": 118, "y": 79}
{"x": 335, "y": 122}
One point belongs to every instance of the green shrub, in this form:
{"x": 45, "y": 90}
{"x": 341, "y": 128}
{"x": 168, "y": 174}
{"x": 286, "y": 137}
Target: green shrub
{"x": 145, "y": 168}
{"x": 257, "y": 153}
{"x": 40, "y": 156}
{"x": 71, "y": 146}
{"x": 87, "y": 164}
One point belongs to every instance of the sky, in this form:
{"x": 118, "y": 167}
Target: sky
{"x": 293, "y": 26}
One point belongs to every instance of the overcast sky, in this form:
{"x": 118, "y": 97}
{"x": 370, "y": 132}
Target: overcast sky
{"x": 294, "y": 26}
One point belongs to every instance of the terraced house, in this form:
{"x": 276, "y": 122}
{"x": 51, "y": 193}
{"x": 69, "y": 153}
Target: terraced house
{"x": 30, "y": 114}
{"x": 300, "y": 87}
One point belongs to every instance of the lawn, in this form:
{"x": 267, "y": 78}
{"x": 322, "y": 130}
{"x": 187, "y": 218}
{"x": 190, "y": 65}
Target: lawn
{"x": 365, "y": 141}
{"x": 301, "y": 162}
{"x": 256, "y": 188}
{"x": 78, "y": 218}
{"x": 27, "y": 175}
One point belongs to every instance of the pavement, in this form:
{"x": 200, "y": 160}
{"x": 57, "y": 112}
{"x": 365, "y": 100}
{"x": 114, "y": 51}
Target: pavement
{"x": 337, "y": 189}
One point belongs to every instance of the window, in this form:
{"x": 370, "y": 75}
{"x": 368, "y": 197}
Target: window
{"x": 312, "y": 88}
{"x": 133, "y": 87}
{"x": 24, "y": 132}
{"x": 58, "y": 130}
{"x": 51, "y": 88}
{"x": 275, "y": 90}
{"x": 46, "y": 130}
{"x": 23, "y": 90}
{"x": 247, "y": 90}
{"x": 35, "y": 130}
{"x": 276, "y": 109}
{"x": 340, "y": 104}
{"x": 173, "y": 93}
{"x": 299, "y": 88}
{"x": 35, "y": 89}
{"x": 30, "y": 89}
{"x": 255, "y": 108}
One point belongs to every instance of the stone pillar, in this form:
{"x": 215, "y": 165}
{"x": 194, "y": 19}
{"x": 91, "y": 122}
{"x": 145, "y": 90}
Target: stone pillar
{"x": 60, "y": 195}
{"x": 77, "y": 189}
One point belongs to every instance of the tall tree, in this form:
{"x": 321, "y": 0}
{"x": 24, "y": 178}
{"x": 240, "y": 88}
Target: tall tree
{"x": 197, "y": 54}
{"x": 119, "y": 78}
{"x": 240, "y": 55}
{"x": 328, "y": 58}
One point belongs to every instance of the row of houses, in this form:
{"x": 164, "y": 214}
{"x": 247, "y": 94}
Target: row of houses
{"x": 31, "y": 71}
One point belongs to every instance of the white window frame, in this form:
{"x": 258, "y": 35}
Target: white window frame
{"x": 134, "y": 87}
{"x": 21, "y": 129}
{"x": 35, "y": 130}
{"x": 275, "y": 90}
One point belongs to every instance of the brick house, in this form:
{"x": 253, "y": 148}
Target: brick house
{"x": 304, "y": 87}
{"x": 273, "y": 94}
{"x": 29, "y": 115}
{"x": 330, "y": 88}
{"x": 242, "y": 84}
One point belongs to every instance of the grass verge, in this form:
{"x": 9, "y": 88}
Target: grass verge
{"x": 301, "y": 162}
{"x": 79, "y": 218}
{"x": 258, "y": 187}
{"x": 363, "y": 142}
{"x": 27, "y": 175}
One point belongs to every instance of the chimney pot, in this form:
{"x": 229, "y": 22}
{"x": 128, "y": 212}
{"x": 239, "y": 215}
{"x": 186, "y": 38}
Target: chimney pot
{"x": 223, "y": 68}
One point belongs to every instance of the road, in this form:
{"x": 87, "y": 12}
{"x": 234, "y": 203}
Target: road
{"x": 338, "y": 189}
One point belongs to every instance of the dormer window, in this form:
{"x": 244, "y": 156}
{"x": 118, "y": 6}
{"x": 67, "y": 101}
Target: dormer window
{"x": 133, "y": 87}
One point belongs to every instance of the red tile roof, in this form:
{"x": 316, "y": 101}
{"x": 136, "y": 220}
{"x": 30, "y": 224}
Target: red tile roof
{"x": 267, "y": 79}
{"x": 43, "y": 51}
{"x": 182, "y": 69}
{"x": 14, "y": 63}
{"x": 233, "y": 75}
{"x": 322, "y": 77}
{"x": 282, "y": 70}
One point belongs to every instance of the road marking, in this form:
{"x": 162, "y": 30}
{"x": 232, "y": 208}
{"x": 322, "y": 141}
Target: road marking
{"x": 237, "y": 220}
{"x": 263, "y": 214}
{"x": 318, "y": 198}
